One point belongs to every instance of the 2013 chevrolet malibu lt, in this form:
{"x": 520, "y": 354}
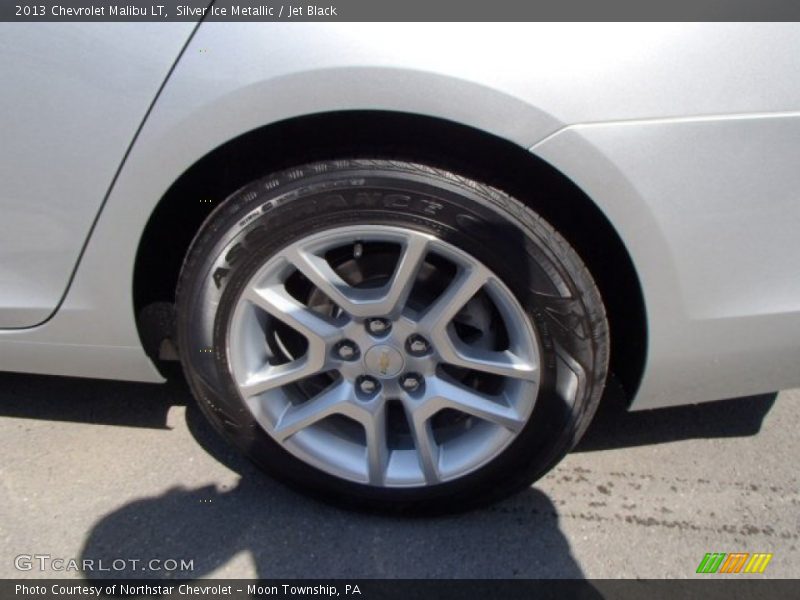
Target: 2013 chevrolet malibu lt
{"x": 399, "y": 263}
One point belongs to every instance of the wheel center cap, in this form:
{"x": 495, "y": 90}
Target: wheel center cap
{"x": 384, "y": 361}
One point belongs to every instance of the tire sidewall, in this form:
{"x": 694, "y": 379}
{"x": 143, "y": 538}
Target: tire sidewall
{"x": 259, "y": 220}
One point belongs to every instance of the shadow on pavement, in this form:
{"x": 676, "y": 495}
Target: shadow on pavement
{"x": 284, "y": 534}
{"x": 126, "y": 404}
{"x": 614, "y": 427}
{"x": 287, "y": 535}
{"x": 95, "y": 401}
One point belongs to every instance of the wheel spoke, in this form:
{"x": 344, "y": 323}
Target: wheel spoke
{"x": 427, "y": 448}
{"x": 334, "y": 400}
{"x": 322, "y": 275}
{"x": 276, "y": 301}
{"x": 405, "y": 274}
{"x": 505, "y": 363}
{"x": 377, "y": 446}
{"x": 449, "y": 395}
{"x": 464, "y": 286}
{"x": 271, "y": 377}
{"x": 386, "y": 300}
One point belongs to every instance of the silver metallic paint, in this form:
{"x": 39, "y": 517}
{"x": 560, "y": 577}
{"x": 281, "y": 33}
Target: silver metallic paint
{"x": 72, "y": 98}
{"x": 683, "y": 134}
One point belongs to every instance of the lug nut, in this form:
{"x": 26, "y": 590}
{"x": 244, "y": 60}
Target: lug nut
{"x": 378, "y": 326}
{"x": 347, "y": 350}
{"x": 367, "y": 385}
{"x": 417, "y": 345}
{"x": 410, "y": 382}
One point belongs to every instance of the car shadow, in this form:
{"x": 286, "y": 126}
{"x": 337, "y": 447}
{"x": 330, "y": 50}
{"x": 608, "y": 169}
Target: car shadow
{"x": 94, "y": 401}
{"x": 284, "y": 534}
{"x": 615, "y": 427}
{"x": 125, "y": 404}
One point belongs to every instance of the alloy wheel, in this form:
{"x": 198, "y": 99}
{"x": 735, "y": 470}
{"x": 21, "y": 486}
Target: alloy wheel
{"x": 384, "y": 356}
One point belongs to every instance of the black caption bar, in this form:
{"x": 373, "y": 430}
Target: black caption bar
{"x": 403, "y": 589}
{"x": 403, "y": 10}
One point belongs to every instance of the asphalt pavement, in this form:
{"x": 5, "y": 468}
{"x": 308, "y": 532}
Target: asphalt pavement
{"x": 104, "y": 471}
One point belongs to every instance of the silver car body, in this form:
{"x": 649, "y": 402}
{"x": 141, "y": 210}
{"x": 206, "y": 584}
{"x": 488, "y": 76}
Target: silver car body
{"x": 686, "y": 137}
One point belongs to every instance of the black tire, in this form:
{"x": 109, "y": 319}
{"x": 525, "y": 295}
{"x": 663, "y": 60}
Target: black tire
{"x": 533, "y": 260}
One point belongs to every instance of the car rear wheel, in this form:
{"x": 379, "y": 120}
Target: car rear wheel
{"x": 390, "y": 335}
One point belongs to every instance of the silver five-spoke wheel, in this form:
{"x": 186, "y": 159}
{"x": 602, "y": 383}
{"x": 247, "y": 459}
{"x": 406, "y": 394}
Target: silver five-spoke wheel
{"x": 389, "y": 335}
{"x": 384, "y": 355}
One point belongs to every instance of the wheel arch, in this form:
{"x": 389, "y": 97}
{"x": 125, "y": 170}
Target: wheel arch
{"x": 403, "y": 136}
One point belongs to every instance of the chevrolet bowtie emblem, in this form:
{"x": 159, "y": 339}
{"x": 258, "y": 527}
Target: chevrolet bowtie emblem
{"x": 383, "y": 362}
